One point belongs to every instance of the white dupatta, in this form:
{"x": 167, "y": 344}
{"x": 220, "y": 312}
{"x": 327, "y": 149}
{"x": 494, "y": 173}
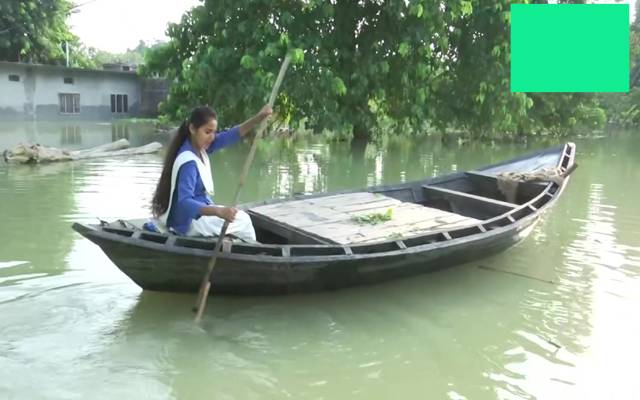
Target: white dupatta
{"x": 204, "y": 170}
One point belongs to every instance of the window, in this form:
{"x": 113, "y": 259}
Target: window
{"x": 69, "y": 103}
{"x": 119, "y": 103}
{"x": 68, "y": 80}
{"x": 14, "y": 78}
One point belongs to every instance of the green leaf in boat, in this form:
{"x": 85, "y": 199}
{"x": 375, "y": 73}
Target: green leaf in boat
{"x": 373, "y": 218}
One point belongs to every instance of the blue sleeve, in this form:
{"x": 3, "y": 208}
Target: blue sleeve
{"x": 225, "y": 138}
{"x": 186, "y": 190}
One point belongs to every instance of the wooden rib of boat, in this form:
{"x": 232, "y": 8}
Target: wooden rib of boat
{"x": 313, "y": 242}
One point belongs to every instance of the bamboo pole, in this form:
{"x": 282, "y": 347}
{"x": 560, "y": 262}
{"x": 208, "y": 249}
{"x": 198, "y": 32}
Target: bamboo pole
{"x": 201, "y": 301}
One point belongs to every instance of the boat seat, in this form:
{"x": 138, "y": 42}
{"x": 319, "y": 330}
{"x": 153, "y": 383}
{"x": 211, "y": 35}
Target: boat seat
{"x": 485, "y": 205}
{"x": 488, "y": 184}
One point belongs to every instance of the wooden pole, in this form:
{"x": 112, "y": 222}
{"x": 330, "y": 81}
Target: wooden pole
{"x": 201, "y": 301}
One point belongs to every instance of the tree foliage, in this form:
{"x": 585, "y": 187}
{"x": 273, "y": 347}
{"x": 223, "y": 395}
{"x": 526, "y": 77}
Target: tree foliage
{"x": 36, "y": 31}
{"x": 96, "y": 57}
{"x": 624, "y": 109}
{"x": 411, "y": 62}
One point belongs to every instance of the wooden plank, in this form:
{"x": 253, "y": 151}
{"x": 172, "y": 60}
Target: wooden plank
{"x": 276, "y": 209}
{"x": 399, "y": 225}
{"x": 287, "y": 209}
{"x": 302, "y": 218}
{"x": 396, "y": 222}
{"x": 331, "y": 217}
{"x": 454, "y": 193}
{"x": 385, "y": 203}
{"x": 392, "y": 232}
{"x": 402, "y": 227}
{"x": 348, "y": 233}
{"x": 413, "y": 211}
{"x": 320, "y": 212}
{"x": 328, "y": 218}
{"x": 399, "y": 219}
{"x": 293, "y": 234}
{"x": 348, "y": 198}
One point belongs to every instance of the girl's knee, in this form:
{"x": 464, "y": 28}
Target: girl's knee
{"x": 242, "y": 215}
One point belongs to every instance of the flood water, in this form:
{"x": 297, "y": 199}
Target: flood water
{"x": 72, "y": 326}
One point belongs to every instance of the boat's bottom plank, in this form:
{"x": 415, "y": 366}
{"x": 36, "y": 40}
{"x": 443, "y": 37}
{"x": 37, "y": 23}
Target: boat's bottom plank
{"x": 332, "y": 217}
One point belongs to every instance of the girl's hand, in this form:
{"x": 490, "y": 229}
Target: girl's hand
{"x": 252, "y": 122}
{"x": 265, "y": 112}
{"x": 227, "y": 213}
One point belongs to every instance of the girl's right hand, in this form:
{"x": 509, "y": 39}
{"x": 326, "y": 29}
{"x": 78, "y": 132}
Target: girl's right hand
{"x": 265, "y": 111}
{"x": 227, "y": 213}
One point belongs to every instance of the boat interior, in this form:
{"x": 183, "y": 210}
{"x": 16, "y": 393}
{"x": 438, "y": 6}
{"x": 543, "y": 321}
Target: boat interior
{"x": 464, "y": 201}
{"x": 434, "y": 210}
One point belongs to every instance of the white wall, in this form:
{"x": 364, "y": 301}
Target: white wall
{"x": 12, "y": 94}
{"x": 40, "y": 86}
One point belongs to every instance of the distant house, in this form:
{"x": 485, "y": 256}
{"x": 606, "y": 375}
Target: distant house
{"x": 53, "y": 92}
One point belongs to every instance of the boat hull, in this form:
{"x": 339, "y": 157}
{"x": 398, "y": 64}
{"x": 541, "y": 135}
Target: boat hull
{"x": 166, "y": 271}
{"x": 296, "y": 260}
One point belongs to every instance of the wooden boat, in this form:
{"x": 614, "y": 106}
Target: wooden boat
{"x": 313, "y": 243}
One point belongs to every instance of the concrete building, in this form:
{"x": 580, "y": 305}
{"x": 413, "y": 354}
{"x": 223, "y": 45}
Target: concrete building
{"x": 53, "y": 92}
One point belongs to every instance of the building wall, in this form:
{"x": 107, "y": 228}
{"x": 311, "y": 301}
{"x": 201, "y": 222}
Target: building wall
{"x": 153, "y": 91}
{"x": 13, "y": 95}
{"x": 36, "y": 95}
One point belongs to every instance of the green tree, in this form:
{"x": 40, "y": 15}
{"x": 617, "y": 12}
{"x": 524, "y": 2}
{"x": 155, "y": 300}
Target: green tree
{"x": 362, "y": 61}
{"x": 95, "y": 58}
{"x": 359, "y": 63}
{"x": 36, "y": 31}
{"x": 624, "y": 108}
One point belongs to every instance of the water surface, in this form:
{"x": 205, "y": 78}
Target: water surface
{"x": 74, "y": 327}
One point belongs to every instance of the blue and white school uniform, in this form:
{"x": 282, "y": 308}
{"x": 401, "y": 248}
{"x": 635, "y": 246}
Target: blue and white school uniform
{"x": 191, "y": 184}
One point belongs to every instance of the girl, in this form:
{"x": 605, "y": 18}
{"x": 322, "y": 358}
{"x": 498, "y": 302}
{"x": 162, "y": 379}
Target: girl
{"x": 181, "y": 201}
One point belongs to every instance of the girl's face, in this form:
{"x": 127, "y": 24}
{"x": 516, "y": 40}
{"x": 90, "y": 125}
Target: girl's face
{"x": 202, "y": 137}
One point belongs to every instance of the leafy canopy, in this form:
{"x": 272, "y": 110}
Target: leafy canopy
{"x": 358, "y": 64}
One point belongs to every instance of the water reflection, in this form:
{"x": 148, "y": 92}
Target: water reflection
{"x": 461, "y": 333}
{"x": 119, "y": 131}
{"x": 70, "y": 135}
{"x": 566, "y": 327}
{"x": 116, "y": 189}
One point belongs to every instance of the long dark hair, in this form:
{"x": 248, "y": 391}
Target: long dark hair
{"x": 199, "y": 116}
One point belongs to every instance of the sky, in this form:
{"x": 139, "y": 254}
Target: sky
{"x": 117, "y": 25}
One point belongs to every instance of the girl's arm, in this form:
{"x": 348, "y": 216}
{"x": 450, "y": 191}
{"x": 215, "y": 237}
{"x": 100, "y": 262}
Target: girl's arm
{"x": 252, "y": 122}
{"x": 226, "y": 213}
{"x": 233, "y": 135}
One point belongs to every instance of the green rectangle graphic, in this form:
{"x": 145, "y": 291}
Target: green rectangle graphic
{"x": 570, "y": 47}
